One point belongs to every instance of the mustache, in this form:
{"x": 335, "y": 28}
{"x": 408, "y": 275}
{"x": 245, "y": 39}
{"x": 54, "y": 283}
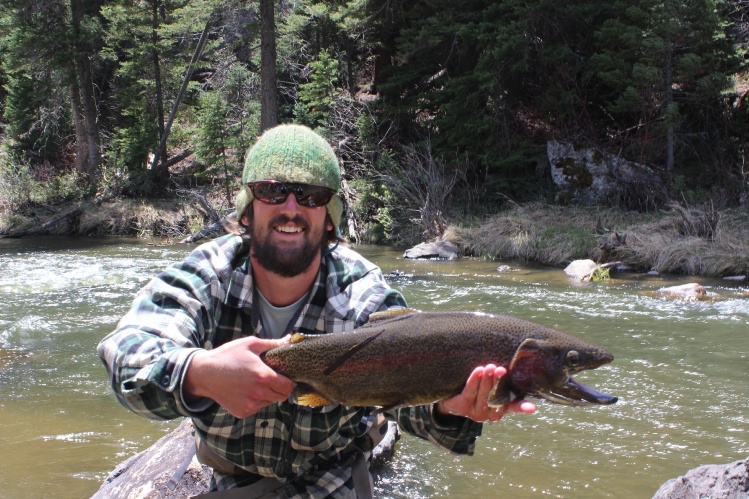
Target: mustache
{"x": 284, "y": 219}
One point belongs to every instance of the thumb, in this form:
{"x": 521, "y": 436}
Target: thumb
{"x": 260, "y": 345}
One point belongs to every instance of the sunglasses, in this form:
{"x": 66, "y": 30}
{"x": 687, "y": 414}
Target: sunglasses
{"x": 309, "y": 196}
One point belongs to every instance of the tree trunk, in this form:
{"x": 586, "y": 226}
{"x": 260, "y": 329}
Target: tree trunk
{"x": 81, "y": 139}
{"x": 157, "y": 74}
{"x": 86, "y": 92}
{"x": 669, "y": 103}
{"x": 268, "y": 77}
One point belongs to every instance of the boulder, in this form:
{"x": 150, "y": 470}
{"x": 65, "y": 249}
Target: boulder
{"x": 581, "y": 269}
{"x": 443, "y": 250}
{"x": 691, "y": 289}
{"x": 584, "y": 175}
{"x": 730, "y": 481}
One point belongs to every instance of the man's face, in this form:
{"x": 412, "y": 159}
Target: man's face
{"x": 287, "y": 238}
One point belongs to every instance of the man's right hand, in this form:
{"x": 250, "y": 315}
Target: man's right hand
{"x": 234, "y": 376}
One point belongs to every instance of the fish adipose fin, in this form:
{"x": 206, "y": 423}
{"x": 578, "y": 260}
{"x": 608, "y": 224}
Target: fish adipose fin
{"x": 350, "y": 352}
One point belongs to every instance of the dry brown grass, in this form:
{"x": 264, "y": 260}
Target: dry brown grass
{"x": 682, "y": 240}
{"x": 166, "y": 219}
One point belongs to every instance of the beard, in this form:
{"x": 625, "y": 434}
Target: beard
{"x": 287, "y": 262}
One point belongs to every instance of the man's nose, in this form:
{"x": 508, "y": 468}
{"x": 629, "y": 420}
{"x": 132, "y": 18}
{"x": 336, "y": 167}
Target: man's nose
{"x": 291, "y": 202}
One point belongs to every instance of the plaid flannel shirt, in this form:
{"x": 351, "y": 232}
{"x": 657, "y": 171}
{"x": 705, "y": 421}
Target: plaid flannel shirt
{"x": 206, "y": 301}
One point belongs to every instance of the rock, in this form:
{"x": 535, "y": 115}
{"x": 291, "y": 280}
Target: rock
{"x": 444, "y": 250}
{"x": 588, "y": 176}
{"x": 730, "y": 481}
{"x": 148, "y": 474}
{"x": 691, "y": 289}
{"x": 581, "y": 269}
{"x": 736, "y": 278}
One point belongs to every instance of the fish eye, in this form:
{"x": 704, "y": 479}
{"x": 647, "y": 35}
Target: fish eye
{"x": 573, "y": 358}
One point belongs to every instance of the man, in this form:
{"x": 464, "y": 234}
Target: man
{"x": 190, "y": 344}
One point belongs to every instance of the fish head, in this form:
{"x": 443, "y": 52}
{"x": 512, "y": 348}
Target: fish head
{"x": 543, "y": 368}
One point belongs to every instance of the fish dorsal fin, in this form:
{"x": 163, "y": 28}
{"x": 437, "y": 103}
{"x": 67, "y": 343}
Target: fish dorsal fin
{"x": 351, "y": 351}
{"x": 393, "y": 313}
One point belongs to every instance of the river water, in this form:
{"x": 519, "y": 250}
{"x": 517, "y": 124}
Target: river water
{"x": 681, "y": 372}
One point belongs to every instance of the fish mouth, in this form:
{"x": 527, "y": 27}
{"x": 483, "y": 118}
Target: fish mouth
{"x": 575, "y": 393}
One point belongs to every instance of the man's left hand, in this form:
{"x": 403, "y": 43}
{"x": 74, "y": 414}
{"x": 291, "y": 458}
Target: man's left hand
{"x": 472, "y": 402}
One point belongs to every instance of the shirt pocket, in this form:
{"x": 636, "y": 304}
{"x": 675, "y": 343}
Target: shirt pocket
{"x": 316, "y": 428}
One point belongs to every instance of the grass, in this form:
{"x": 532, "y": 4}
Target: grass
{"x": 679, "y": 240}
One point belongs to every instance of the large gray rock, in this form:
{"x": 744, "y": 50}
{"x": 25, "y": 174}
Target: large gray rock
{"x": 725, "y": 481}
{"x": 443, "y": 250}
{"x": 588, "y": 176}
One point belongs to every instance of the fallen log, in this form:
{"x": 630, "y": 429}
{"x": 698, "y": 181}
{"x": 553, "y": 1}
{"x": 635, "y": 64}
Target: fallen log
{"x": 229, "y": 223}
{"x": 47, "y": 226}
{"x": 169, "y": 467}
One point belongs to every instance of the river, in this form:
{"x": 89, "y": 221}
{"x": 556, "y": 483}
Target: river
{"x": 681, "y": 372}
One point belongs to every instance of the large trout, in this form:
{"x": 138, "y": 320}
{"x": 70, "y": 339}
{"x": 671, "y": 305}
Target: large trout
{"x": 406, "y": 357}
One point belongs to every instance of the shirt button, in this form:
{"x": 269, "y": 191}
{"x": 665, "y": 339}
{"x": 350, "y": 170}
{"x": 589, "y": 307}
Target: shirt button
{"x": 264, "y": 424}
{"x": 166, "y": 379}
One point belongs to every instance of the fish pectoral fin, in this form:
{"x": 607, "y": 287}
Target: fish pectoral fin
{"x": 350, "y": 352}
{"x": 502, "y": 394}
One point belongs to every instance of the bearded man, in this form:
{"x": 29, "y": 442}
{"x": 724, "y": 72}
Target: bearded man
{"x": 190, "y": 344}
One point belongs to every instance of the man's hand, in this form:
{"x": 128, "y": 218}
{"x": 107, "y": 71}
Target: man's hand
{"x": 234, "y": 376}
{"x": 472, "y": 401}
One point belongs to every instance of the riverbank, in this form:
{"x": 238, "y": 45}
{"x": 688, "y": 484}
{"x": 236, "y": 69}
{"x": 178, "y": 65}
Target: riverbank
{"x": 677, "y": 240}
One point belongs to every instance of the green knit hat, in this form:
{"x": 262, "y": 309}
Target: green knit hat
{"x": 292, "y": 153}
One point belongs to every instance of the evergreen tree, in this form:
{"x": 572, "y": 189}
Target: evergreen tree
{"x": 662, "y": 68}
{"x": 50, "y": 46}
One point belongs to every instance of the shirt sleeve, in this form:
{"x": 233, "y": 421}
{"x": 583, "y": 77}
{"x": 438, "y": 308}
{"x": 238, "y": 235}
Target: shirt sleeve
{"x": 147, "y": 355}
{"x": 419, "y": 421}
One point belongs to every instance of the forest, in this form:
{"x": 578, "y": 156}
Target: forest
{"x": 439, "y": 111}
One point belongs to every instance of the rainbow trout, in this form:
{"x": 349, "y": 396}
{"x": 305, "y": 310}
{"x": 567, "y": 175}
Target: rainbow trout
{"x": 405, "y": 357}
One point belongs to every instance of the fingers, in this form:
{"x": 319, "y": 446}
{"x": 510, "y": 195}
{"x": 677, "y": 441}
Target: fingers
{"x": 260, "y": 345}
{"x": 476, "y": 393}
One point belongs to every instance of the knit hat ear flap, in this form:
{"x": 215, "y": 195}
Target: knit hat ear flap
{"x": 292, "y": 153}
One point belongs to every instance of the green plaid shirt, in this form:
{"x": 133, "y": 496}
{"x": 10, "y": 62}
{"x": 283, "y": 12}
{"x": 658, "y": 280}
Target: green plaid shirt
{"x": 206, "y": 301}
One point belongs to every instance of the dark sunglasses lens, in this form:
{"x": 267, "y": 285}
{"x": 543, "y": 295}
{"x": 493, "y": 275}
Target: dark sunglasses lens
{"x": 310, "y": 196}
{"x": 271, "y": 193}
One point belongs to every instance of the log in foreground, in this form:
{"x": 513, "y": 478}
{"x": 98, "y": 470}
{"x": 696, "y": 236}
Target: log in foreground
{"x": 157, "y": 471}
